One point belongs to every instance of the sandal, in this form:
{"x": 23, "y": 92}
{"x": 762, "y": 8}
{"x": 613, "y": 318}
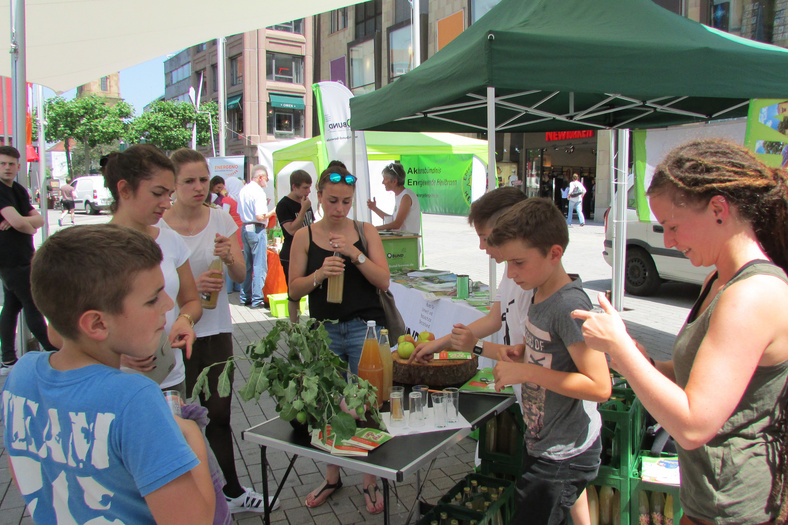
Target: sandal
{"x": 371, "y": 493}
{"x": 333, "y": 487}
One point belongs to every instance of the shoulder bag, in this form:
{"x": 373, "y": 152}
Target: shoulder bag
{"x": 394, "y": 322}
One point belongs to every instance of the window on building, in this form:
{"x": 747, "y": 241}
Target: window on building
{"x": 284, "y": 68}
{"x": 236, "y": 70}
{"x": 362, "y": 67}
{"x": 402, "y": 11}
{"x": 479, "y": 8}
{"x": 338, "y": 19}
{"x": 104, "y": 83}
{"x": 181, "y": 73}
{"x": 215, "y": 77}
{"x": 296, "y": 26}
{"x": 400, "y": 52}
{"x": 235, "y": 120}
{"x": 199, "y": 48}
{"x": 368, "y": 18}
{"x": 285, "y": 123}
{"x": 200, "y": 75}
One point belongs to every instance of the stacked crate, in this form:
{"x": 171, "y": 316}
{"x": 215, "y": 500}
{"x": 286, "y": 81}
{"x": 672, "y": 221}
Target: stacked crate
{"x": 499, "y": 512}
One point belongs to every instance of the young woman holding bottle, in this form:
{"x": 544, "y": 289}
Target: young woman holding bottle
{"x": 331, "y": 247}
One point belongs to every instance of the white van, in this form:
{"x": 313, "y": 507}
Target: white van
{"x": 90, "y": 194}
{"x": 648, "y": 262}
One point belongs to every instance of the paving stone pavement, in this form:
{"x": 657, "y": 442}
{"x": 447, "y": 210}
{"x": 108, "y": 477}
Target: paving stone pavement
{"x": 449, "y": 244}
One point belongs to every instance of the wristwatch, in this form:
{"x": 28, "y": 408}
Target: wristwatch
{"x": 478, "y": 348}
{"x": 361, "y": 259}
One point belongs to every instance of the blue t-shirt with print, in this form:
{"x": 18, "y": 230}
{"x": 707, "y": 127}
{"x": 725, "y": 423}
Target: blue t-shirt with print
{"x": 90, "y": 443}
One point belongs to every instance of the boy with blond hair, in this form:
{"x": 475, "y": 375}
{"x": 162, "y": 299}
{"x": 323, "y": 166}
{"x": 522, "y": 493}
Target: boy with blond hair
{"x": 86, "y": 442}
{"x": 562, "y": 379}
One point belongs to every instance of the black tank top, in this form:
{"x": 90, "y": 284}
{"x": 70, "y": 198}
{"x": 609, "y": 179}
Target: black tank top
{"x": 360, "y": 297}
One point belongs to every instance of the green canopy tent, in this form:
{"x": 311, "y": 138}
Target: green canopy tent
{"x": 544, "y": 65}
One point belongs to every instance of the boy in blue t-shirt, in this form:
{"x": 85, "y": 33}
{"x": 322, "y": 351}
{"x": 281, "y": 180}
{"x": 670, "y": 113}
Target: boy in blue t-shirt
{"x": 562, "y": 379}
{"x": 88, "y": 443}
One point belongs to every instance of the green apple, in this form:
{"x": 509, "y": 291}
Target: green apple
{"x": 404, "y": 349}
{"x": 425, "y": 336}
{"x": 406, "y": 338}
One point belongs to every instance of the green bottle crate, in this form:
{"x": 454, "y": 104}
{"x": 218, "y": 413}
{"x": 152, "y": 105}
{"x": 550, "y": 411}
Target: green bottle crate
{"x": 623, "y": 427}
{"x": 499, "y": 462}
{"x": 622, "y": 485}
{"x": 637, "y": 485}
{"x": 505, "y": 499}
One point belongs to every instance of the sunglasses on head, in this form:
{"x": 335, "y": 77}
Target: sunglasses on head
{"x": 336, "y": 177}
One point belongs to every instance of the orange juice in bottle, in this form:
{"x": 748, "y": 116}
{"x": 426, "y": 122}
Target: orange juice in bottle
{"x": 208, "y": 299}
{"x": 370, "y": 366}
{"x": 388, "y": 364}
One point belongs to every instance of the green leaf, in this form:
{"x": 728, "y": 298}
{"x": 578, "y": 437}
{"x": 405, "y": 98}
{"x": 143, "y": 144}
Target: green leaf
{"x": 225, "y": 385}
{"x": 288, "y": 412}
{"x": 343, "y": 425}
{"x": 310, "y": 391}
{"x": 201, "y": 385}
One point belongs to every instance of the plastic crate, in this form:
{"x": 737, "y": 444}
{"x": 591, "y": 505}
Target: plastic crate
{"x": 505, "y": 499}
{"x": 495, "y": 462}
{"x": 622, "y": 485}
{"x": 637, "y": 485}
{"x": 623, "y": 426}
{"x": 278, "y": 304}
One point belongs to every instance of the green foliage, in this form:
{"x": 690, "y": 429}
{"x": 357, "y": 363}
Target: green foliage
{"x": 306, "y": 383}
{"x": 167, "y": 124}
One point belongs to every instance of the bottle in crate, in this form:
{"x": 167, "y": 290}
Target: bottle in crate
{"x": 593, "y": 504}
{"x": 491, "y": 428}
{"x": 669, "y": 509}
{"x": 505, "y": 424}
{"x": 444, "y": 519}
{"x": 644, "y": 512}
{"x": 606, "y": 505}
{"x": 657, "y": 508}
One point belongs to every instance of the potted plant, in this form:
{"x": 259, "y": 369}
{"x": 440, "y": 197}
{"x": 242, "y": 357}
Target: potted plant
{"x": 304, "y": 377}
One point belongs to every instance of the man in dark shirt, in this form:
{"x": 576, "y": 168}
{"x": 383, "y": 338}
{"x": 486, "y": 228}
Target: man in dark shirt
{"x": 294, "y": 212}
{"x": 18, "y": 223}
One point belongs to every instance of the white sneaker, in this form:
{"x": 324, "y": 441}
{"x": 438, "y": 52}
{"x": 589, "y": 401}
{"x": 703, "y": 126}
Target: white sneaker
{"x": 249, "y": 501}
{"x": 5, "y": 369}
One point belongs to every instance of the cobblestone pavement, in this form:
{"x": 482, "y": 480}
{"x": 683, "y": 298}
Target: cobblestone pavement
{"x": 449, "y": 244}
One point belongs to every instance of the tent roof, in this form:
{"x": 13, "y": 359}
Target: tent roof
{"x": 71, "y": 42}
{"x": 572, "y": 64}
{"x": 386, "y": 145}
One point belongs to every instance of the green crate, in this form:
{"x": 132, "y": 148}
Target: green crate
{"x": 462, "y": 515}
{"x": 505, "y": 499}
{"x": 637, "y": 485}
{"x": 500, "y": 462}
{"x": 621, "y": 483}
{"x": 623, "y": 427}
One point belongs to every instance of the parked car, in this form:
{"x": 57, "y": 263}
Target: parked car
{"x": 91, "y": 194}
{"x": 648, "y": 262}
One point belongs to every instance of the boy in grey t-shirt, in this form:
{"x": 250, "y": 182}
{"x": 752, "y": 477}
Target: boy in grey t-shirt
{"x": 562, "y": 379}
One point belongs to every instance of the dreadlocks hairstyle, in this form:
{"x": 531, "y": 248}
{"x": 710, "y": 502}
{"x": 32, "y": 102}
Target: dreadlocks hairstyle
{"x": 697, "y": 171}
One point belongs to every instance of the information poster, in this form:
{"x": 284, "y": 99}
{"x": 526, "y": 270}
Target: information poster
{"x": 442, "y": 183}
{"x": 767, "y": 130}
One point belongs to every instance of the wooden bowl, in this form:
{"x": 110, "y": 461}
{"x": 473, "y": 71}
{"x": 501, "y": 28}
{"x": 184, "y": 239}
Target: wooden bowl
{"x": 445, "y": 372}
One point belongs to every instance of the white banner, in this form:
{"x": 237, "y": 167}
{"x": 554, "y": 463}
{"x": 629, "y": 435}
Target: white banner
{"x": 227, "y": 166}
{"x": 333, "y": 107}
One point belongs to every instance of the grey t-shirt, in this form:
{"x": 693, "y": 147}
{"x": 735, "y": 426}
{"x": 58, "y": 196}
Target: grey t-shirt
{"x": 558, "y": 427}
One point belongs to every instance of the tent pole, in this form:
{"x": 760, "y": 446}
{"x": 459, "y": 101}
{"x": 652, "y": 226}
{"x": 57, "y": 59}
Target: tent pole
{"x": 415, "y": 33}
{"x": 221, "y": 95}
{"x": 620, "y": 221}
{"x": 491, "y": 178}
{"x": 19, "y": 71}
{"x": 42, "y": 163}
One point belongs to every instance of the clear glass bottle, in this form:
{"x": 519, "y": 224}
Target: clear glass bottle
{"x": 388, "y": 365}
{"x": 370, "y": 366}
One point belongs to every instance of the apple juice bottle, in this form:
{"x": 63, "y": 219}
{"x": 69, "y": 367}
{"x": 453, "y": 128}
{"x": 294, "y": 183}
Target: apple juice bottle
{"x": 388, "y": 365}
{"x": 370, "y": 366}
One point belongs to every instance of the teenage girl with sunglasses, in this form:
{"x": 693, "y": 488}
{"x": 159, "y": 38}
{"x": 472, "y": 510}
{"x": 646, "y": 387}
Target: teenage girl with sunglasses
{"x": 329, "y": 247}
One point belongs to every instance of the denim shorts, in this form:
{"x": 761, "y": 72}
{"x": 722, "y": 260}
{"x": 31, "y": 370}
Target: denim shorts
{"x": 548, "y": 488}
{"x": 347, "y": 340}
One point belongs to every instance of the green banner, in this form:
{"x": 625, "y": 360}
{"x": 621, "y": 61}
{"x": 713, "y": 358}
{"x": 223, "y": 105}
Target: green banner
{"x": 767, "y": 130}
{"x": 442, "y": 183}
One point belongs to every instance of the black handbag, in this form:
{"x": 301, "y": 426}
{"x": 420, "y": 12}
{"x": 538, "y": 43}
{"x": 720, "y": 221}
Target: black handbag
{"x": 394, "y": 322}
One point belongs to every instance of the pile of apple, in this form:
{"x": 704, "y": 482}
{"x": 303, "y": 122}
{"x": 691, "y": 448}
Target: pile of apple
{"x": 406, "y": 344}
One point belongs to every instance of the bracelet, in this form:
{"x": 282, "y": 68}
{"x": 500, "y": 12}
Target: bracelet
{"x": 188, "y": 318}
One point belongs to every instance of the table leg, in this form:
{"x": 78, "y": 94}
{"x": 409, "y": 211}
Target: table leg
{"x": 419, "y": 488}
{"x": 386, "y": 517}
{"x": 264, "y": 466}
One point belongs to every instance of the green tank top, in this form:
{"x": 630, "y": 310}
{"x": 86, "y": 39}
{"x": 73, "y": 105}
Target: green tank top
{"x": 729, "y": 479}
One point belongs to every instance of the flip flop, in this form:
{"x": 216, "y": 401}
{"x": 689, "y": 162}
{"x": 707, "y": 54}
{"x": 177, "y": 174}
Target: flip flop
{"x": 373, "y": 498}
{"x": 333, "y": 487}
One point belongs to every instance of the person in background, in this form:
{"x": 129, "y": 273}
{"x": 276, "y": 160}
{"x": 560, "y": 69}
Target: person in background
{"x": 575, "y": 194}
{"x": 254, "y": 213}
{"x": 327, "y": 248}
{"x": 294, "y": 211}
{"x": 562, "y": 379}
{"x": 141, "y": 180}
{"x": 407, "y": 211}
{"x": 115, "y": 452}
{"x": 217, "y": 192}
{"x": 18, "y": 224}
{"x": 67, "y": 195}
{"x": 723, "y": 396}
{"x": 209, "y": 232}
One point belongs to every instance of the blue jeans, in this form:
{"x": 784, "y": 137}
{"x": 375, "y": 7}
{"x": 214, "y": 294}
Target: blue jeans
{"x": 256, "y": 259}
{"x": 18, "y": 297}
{"x": 347, "y": 340}
{"x": 572, "y": 206}
{"x": 547, "y": 488}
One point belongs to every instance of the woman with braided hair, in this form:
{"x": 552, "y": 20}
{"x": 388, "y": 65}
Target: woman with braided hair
{"x": 723, "y": 396}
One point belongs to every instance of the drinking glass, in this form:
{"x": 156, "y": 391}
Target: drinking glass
{"x": 439, "y": 409}
{"x": 424, "y": 389}
{"x": 415, "y": 418}
{"x": 397, "y": 414}
{"x": 173, "y": 398}
{"x": 452, "y": 404}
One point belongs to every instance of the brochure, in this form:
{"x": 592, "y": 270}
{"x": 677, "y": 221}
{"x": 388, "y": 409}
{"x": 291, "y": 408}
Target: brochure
{"x": 483, "y": 382}
{"x": 365, "y": 440}
{"x": 660, "y": 470}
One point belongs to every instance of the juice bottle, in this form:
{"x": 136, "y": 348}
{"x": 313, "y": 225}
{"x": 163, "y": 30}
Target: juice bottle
{"x": 336, "y": 286}
{"x": 370, "y": 367}
{"x": 388, "y": 365}
{"x": 208, "y": 299}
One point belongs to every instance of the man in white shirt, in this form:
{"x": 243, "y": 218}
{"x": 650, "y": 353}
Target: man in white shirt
{"x": 253, "y": 210}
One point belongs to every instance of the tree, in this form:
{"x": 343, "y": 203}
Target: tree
{"x": 89, "y": 120}
{"x": 168, "y": 123}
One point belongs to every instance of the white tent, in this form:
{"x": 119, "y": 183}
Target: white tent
{"x": 71, "y": 42}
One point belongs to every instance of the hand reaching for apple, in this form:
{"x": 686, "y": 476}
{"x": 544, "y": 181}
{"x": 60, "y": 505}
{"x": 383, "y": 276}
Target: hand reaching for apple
{"x": 406, "y": 344}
